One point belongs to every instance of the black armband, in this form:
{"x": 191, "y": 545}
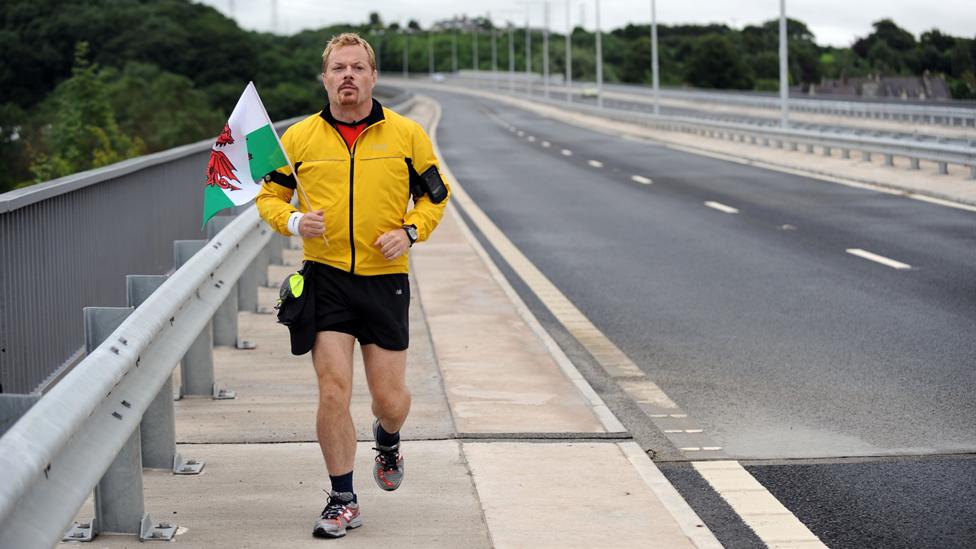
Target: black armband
{"x": 287, "y": 181}
{"x": 429, "y": 183}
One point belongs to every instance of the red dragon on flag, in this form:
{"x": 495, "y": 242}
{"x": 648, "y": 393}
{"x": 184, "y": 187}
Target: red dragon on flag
{"x": 220, "y": 170}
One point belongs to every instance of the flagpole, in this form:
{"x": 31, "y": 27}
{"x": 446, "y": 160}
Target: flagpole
{"x": 298, "y": 184}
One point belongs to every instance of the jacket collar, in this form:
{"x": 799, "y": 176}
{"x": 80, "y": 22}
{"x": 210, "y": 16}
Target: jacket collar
{"x": 375, "y": 115}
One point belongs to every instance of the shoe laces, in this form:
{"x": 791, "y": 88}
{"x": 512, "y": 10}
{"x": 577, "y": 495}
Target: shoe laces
{"x": 388, "y": 456}
{"x": 334, "y": 507}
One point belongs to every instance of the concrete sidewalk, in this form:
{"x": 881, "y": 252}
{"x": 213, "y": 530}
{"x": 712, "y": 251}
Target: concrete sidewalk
{"x": 506, "y": 444}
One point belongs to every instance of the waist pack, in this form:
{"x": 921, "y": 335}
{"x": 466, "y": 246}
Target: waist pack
{"x": 296, "y": 309}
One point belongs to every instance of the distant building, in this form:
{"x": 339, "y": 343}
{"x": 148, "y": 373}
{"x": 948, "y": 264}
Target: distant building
{"x": 900, "y": 87}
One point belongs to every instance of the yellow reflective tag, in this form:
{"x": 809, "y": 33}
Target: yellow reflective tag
{"x": 297, "y": 283}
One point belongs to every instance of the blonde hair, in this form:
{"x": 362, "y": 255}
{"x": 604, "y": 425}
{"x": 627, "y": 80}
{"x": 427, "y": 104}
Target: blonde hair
{"x": 348, "y": 39}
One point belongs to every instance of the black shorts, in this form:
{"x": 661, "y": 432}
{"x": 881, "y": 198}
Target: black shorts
{"x": 373, "y": 309}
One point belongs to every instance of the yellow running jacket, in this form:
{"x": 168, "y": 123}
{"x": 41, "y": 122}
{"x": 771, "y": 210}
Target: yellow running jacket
{"x": 363, "y": 191}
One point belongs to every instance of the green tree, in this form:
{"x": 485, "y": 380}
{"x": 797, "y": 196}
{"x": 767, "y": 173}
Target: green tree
{"x": 715, "y": 63}
{"x": 83, "y": 132}
{"x": 178, "y": 113}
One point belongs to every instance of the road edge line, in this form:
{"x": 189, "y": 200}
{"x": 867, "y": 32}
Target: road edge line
{"x": 680, "y": 511}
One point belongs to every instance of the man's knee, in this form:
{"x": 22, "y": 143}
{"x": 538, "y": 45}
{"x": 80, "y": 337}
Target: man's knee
{"x": 392, "y": 402}
{"x": 334, "y": 396}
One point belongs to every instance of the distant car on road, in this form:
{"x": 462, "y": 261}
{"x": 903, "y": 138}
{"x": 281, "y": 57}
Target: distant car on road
{"x": 590, "y": 92}
{"x": 437, "y": 77}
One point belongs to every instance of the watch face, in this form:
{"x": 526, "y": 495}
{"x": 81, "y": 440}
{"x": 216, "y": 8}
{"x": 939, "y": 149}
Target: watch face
{"x": 411, "y": 232}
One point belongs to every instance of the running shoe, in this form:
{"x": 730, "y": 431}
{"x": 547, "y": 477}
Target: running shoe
{"x": 340, "y": 513}
{"x": 388, "y": 469}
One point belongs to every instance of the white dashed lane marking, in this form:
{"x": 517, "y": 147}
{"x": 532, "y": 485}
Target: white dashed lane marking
{"x": 879, "y": 259}
{"x": 721, "y": 207}
{"x": 641, "y": 179}
{"x": 531, "y": 138}
{"x": 545, "y": 144}
{"x": 567, "y": 152}
{"x": 595, "y": 163}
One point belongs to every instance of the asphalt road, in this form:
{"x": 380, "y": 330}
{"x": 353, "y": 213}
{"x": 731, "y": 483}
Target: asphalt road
{"x": 759, "y": 323}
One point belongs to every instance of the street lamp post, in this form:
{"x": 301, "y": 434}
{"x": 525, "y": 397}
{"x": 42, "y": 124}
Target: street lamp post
{"x": 655, "y": 82}
{"x": 430, "y": 53}
{"x": 569, "y": 56}
{"x": 511, "y": 58}
{"x": 406, "y": 46}
{"x": 494, "y": 56}
{"x": 599, "y": 59}
{"x": 454, "y": 51}
{"x": 545, "y": 50}
{"x": 528, "y": 54}
{"x": 474, "y": 47}
{"x": 784, "y": 75}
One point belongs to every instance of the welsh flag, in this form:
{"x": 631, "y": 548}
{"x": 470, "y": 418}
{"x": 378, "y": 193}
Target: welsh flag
{"x": 246, "y": 150}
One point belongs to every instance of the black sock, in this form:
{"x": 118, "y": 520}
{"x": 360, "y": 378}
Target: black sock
{"x": 386, "y": 439}
{"x": 343, "y": 483}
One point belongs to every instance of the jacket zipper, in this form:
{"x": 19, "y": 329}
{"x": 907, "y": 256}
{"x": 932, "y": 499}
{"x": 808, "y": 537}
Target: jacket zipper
{"x": 352, "y": 239}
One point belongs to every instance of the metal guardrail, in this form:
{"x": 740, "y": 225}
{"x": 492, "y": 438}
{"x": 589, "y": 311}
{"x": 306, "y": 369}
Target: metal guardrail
{"x": 64, "y": 245}
{"x": 952, "y": 114}
{"x": 940, "y": 153}
{"x": 56, "y": 453}
{"x": 932, "y": 114}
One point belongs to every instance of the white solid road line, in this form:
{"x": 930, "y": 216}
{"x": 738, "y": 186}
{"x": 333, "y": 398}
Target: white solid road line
{"x": 641, "y": 179}
{"x": 595, "y": 163}
{"x": 567, "y": 152}
{"x": 721, "y": 207}
{"x": 878, "y": 259}
{"x": 769, "y": 519}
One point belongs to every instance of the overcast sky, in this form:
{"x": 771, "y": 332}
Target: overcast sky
{"x": 834, "y": 22}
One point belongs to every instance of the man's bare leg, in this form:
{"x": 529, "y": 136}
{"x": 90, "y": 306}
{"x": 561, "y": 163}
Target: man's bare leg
{"x": 332, "y": 357}
{"x": 386, "y": 376}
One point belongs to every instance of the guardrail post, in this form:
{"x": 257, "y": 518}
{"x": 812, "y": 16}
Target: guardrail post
{"x": 915, "y": 164}
{"x": 889, "y": 160}
{"x": 119, "y": 505}
{"x": 276, "y": 246}
{"x": 225, "y": 318}
{"x": 158, "y": 426}
{"x": 196, "y": 367}
{"x": 247, "y": 289}
{"x": 261, "y": 266}
{"x": 943, "y": 168}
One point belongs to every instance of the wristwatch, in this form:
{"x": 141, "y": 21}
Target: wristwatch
{"x": 411, "y": 231}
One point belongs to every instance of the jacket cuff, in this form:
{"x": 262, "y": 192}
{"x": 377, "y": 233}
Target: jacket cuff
{"x": 293, "y": 221}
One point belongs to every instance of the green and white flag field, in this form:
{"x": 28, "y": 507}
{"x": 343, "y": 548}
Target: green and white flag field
{"x": 246, "y": 150}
